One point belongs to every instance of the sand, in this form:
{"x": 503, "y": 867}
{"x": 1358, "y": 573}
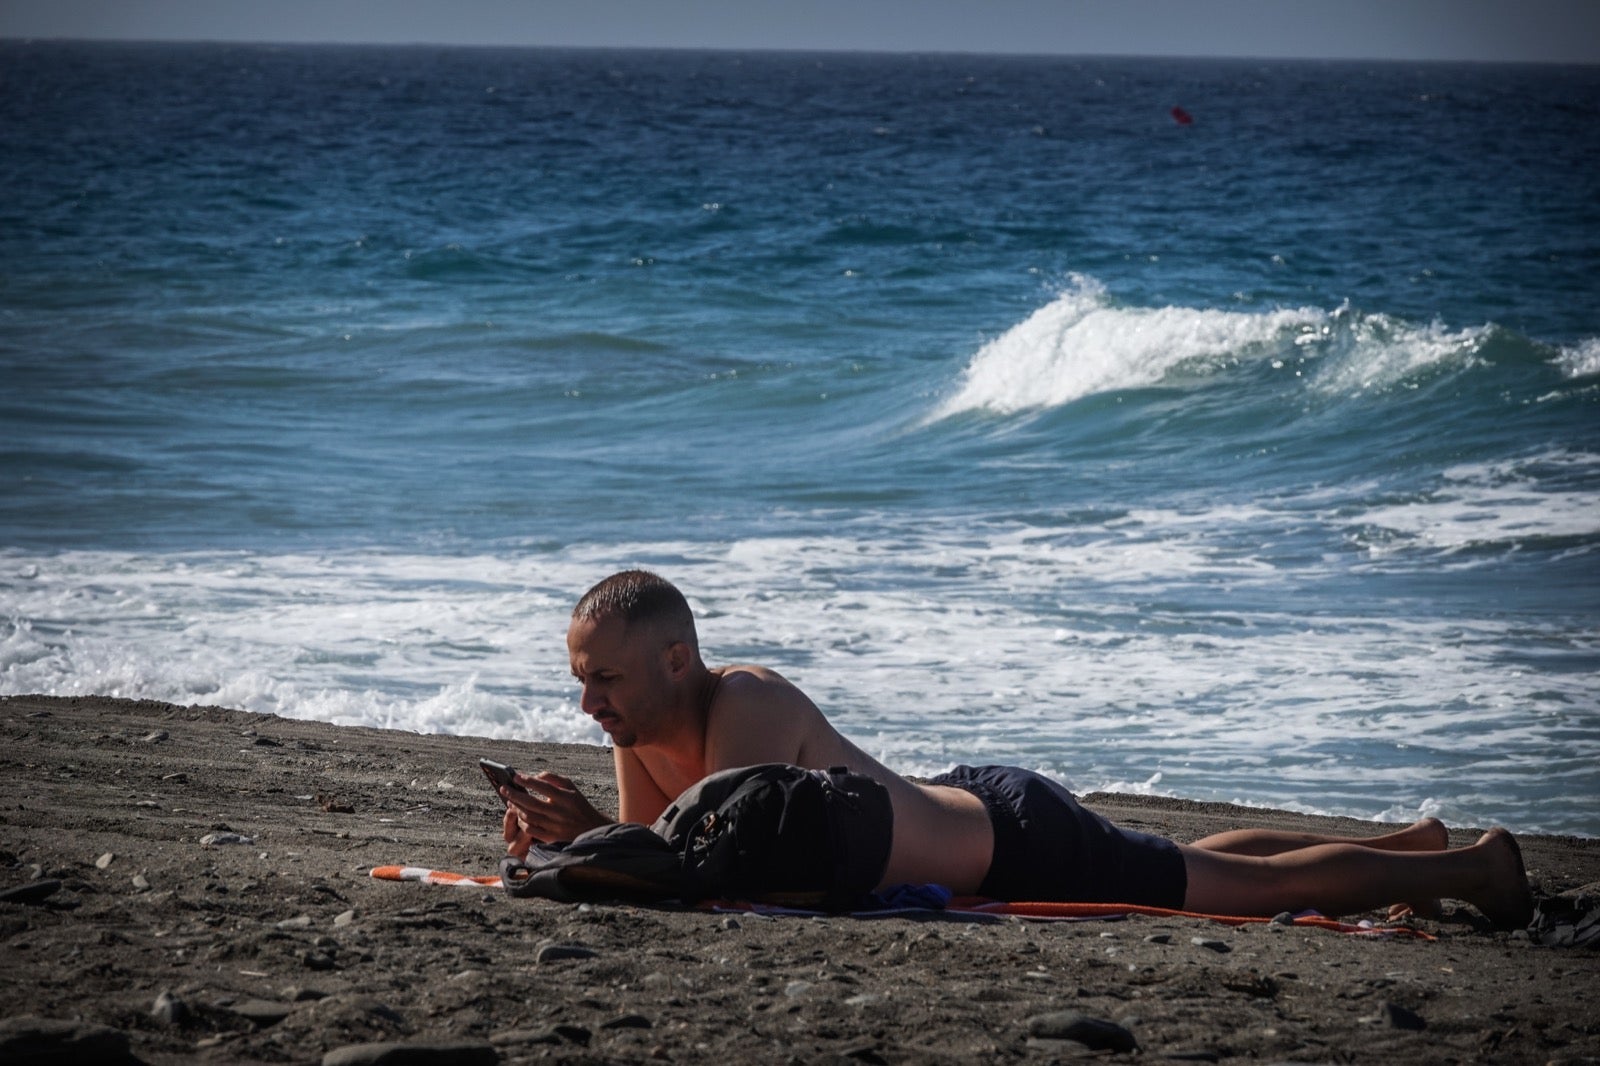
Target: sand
{"x": 158, "y": 947}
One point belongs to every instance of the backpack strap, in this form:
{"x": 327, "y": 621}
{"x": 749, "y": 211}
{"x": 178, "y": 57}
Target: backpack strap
{"x": 618, "y": 861}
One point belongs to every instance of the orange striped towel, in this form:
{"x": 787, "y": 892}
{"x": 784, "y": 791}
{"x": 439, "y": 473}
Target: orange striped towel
{"x": 433, "y": 877}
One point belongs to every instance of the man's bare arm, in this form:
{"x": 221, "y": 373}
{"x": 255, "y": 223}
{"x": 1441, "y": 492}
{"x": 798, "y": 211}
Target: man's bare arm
{"x": 639, "y": 798}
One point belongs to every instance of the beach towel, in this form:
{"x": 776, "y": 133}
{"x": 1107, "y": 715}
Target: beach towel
{"x": 930, "y": 900}
{"x": 1092, "y": 911}
{"x": 435, "y": 877}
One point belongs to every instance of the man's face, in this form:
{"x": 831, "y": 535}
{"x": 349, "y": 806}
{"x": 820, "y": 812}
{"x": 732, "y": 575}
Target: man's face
{"x": 623, "y": 671}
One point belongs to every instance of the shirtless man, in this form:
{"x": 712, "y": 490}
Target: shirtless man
{"x": 992, "y": 831}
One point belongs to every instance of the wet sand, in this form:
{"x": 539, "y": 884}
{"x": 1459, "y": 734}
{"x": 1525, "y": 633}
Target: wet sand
{"x": 137, "y": 940}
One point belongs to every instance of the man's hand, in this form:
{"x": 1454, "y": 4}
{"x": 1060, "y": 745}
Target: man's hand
{"x": 544, "y": 809}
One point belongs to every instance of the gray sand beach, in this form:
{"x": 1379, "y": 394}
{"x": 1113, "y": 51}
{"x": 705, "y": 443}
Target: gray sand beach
{"x": 191, "y": 884}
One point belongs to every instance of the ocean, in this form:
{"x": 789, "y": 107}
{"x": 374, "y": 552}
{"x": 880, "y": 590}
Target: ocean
{"x": 1251, "y": 458}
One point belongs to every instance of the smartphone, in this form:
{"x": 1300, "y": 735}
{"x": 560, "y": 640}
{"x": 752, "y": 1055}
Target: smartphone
{"x": 498, "y": 774}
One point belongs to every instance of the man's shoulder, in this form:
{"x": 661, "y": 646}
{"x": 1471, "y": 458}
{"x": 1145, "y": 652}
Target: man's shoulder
{"x": 749, "y": 674}
{"x": 748, "y": 685}
{"x": 756, "y": 699}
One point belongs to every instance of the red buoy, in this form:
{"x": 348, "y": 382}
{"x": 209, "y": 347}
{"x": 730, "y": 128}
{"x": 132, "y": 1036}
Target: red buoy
{"x": 1181, "y": 117}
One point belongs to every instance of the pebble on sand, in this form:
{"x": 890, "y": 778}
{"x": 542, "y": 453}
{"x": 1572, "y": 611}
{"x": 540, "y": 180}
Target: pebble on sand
{"x": 263, "y": 1012}
{"x": 558, "y": 952}
{"x": 1397, "y": 1017}
{"x": 212, "y": 840}
{"x": 556, "y": 1034}
{"x": 32, "y": 892}
{"x": 29, "y": 1041}
{"x": 1094, "y": 1033}
{"x": 169, "y": 1009}
{"x": 416, "y": 1053}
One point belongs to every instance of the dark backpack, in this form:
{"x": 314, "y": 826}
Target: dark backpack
{"x": 617, "y": 861}
{"x": 773, "y": 833}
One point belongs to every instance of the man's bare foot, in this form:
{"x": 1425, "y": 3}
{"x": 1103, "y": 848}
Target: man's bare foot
{"x": 1425, "y": 834}
{"x": 1504, "y": 898}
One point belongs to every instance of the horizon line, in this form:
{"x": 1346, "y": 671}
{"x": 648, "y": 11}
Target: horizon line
{"x": 773, "y": 50}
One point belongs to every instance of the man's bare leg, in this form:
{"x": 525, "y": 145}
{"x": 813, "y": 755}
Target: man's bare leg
{"x": 1345, "y": 878}
{"x": 1429, "y": 834}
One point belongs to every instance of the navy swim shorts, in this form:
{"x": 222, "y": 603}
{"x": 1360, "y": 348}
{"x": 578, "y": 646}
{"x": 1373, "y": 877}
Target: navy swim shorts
{"x": 1047, "y": 848}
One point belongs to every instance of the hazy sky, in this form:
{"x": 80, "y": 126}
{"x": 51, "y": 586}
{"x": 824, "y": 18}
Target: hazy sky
{"x": 1518, "y": 30}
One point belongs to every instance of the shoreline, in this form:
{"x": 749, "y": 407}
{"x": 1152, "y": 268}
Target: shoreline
{"x": 284, "y": 949}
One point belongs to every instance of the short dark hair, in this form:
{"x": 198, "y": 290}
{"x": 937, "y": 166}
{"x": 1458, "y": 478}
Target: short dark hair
{"x": 639, "y": 596}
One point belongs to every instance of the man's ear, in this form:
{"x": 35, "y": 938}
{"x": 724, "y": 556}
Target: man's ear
{"x": 679, "y": 658}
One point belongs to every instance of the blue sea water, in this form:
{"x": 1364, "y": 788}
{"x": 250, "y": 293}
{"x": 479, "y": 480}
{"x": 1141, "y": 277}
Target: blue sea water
{"x": 1250, "y": 459}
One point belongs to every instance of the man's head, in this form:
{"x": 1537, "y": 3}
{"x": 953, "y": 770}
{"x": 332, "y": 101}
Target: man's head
{"x": 640, "y": 598}
{"x": 634, "y": 650}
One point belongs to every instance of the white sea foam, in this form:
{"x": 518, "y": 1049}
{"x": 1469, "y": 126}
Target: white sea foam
{"x": 1081, "y": 344}
{"x": 413, "y": 642}
{"x": 1482, "y": 504}
{"x": 1582, "y": 360}
{"x": 1367, "y": 352}
{"x": 1073, "y": 651}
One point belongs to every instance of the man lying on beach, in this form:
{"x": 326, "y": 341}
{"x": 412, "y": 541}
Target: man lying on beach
{"x": 999, "y": 832}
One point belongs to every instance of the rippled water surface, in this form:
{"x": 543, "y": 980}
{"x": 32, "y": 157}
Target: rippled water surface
{"x": 1255, "y": 459}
